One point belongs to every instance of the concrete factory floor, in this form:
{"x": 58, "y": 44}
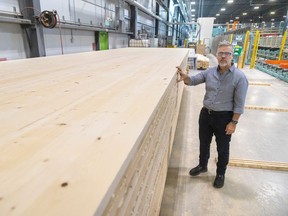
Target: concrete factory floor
{"x": 260, "y": 135}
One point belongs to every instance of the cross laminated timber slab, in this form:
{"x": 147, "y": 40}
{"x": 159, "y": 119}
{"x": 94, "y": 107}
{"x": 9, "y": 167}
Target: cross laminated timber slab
{"x": 88, "y": 133}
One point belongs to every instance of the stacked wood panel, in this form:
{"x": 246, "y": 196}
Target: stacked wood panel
{"x": 89, "y": 133}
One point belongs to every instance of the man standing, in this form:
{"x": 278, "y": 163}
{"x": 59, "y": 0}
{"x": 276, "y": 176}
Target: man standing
{"x": 226, "y": 88}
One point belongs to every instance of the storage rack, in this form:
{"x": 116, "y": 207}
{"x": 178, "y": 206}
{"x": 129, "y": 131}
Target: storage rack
{"x": 272, "y": 55}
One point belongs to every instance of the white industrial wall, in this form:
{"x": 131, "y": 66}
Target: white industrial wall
{"x": 99, "y": 13}
{"x": 11, "y": 41}
{"x": 73, "y": 41}
{"x": 93, "y": 12}
{"x": 7, "y": 5}
{"x": 118, "y": 40}
{"x": 11, "y": 35}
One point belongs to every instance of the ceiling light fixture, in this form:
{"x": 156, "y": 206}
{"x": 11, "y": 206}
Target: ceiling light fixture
{"x": 272, "y": 20}
{"x": 193, "y": 10}
{"x": 193, "y": 3}
{"x": 217, "y": 14}
{"x": 272, "y": 12}
{"x": 223, "y": 9}
{"x": 230, "y": 1}
{"x": 236, "y": 17}
{"x": 256, "y": 7}
{"x": 244, "y": 14}
{"x": 193, "y": 15}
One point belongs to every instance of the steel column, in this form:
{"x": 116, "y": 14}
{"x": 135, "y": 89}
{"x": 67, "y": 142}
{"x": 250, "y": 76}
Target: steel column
{"x": 33, "y": 33}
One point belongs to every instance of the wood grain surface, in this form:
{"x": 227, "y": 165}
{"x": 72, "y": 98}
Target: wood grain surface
{"x": 88, "y": 133}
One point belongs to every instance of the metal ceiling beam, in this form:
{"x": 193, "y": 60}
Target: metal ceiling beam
{"x": 184, "y": 13}
{"x": 144, "y": 9}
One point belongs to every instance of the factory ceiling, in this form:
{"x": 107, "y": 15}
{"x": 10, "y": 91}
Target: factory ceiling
{"x": 244, "y": 11}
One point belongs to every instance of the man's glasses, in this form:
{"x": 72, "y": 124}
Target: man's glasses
{"x": 224, "y": 53}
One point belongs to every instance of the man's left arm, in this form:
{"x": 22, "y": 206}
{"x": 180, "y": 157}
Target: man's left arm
{"x": 239, "y": 103}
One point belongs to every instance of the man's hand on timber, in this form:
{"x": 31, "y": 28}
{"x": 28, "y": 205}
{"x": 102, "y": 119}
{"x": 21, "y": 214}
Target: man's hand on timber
{"x": 183, "y": 76}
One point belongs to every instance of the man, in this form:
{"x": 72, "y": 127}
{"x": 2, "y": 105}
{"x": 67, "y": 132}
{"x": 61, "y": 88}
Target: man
{"x": 226, "y": 88}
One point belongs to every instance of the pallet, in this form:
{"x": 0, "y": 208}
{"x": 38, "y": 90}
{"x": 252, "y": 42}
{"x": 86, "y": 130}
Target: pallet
{"x": 88, "y": 133}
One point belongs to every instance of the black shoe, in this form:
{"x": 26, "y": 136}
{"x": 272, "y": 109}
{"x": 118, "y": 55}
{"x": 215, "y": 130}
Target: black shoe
{"x": 197, "y": 170}
{"x": 219, "y": 181}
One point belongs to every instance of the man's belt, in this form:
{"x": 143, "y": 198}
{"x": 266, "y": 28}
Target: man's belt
{"x": 212, "y": 112}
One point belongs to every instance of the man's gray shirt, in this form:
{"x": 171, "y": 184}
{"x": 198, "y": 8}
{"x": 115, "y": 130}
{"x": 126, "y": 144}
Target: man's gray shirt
{"x": 224, "y": 92}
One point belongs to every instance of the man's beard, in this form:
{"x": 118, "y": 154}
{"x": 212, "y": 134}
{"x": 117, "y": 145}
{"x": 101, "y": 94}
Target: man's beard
{"x": 223, "y": 63}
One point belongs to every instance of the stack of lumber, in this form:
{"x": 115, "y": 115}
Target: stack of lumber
{"x": 139, "y": 43}
{"x": 202, "y": 62}
{"x": 200, "y": 49}
{"x": 89, "y": 133}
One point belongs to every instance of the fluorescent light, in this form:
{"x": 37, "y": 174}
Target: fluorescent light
{"x": 217, "y": 14}
{"x": 244, "y": 14}
{"x": 272, "y": 20}
{"x": 284, "y": 16}
{"x": 231, "y": 20}
{"x": 230, "y": 1}
{"x": 256, "y": 7}
{"x": 272, "y": 12}
{"x": 193, "y": 15}
{"x": 193, "y": 3}
{"x": 236, "y": 17}
{"x": 193, "y": 10}
{"x": 223, "y": 9}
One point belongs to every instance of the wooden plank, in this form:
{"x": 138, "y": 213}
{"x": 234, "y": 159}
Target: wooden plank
{"x": 270, "y": 165}
{"x": 259, "y": 84}
{"x": 276, "y": 109}
{"x": 88, "y": 133}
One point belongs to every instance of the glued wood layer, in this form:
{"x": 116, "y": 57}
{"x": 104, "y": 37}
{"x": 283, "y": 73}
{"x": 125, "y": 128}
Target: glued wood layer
{"x": 88, "y": 133}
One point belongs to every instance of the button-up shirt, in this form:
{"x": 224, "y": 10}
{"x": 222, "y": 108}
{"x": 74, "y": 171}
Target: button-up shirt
{"x": 224, "y": 92}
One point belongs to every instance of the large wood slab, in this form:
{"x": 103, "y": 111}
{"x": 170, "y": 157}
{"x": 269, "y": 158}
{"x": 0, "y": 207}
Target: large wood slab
{"x": 89, "y": 133}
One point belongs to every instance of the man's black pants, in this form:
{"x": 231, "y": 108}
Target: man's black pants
{"x": 214, "y": 123}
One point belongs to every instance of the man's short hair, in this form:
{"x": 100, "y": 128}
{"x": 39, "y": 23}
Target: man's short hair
{"x": 225, "y": 43}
